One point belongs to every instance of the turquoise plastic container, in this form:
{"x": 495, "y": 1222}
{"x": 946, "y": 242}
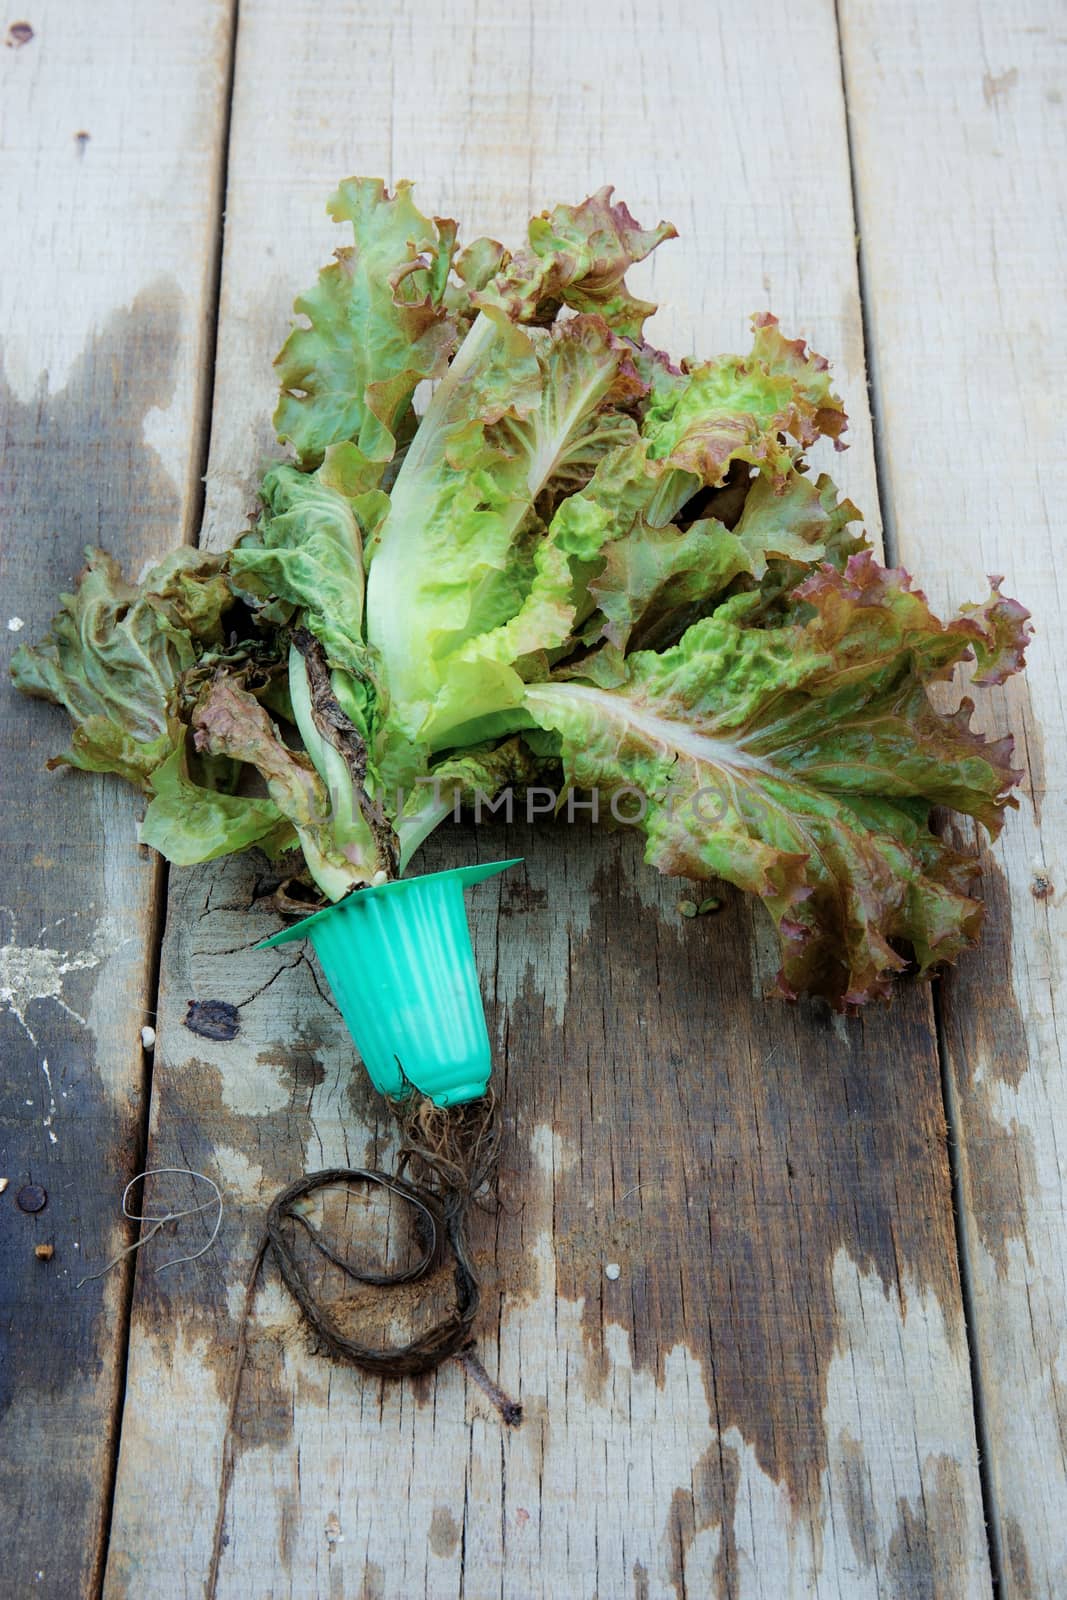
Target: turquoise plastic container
{"x": 399, "y": 960}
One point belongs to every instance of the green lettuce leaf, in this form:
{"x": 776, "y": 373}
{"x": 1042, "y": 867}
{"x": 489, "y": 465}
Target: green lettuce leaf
{"x": 115, "y": 653}
{"x": 716, "y": 436}
{"x": 655, "y": 582}
{"x": 307, "y": 550}
{"x": 187, "y": 822}
{"x": 376, "y": 327}
{"x": 745, "y": 409}
{"x": 801, "y": 763}
{"x": 459, "y": 587}
{"x": 576, "y": 256}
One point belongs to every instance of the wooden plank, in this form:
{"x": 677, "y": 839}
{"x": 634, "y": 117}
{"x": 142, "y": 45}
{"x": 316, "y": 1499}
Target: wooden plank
{"x": 773, "y": 1397}
{"x": 111, "y": 120}
{"x": 966, "y": 286}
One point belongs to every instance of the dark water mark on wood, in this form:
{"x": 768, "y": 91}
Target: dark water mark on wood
{"x": 727, "y": 1149}
{"x": 710, "y": 1502}
{"x": 928, "y": 1552}
{"x": 860, "y": 1515}
{"x": 444, "y": 1532}
{"x": 986, "y": 1047}
{"x": 75, "y": 469}
{"x": 1017, "y": 1559}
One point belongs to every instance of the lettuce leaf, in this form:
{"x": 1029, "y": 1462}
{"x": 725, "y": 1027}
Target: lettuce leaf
{"x": 307, "y": 550}
{"x": 188, "y": 823}
{"x": 456, "y": 593}
{"x": 230, "y": 722}
{"x": 801, "y": 763}
{"x": 376, "y": 327}
{"x": 115, "y": 653}
{"x": 746, "y": 409}
{"x": 577, "y": 256}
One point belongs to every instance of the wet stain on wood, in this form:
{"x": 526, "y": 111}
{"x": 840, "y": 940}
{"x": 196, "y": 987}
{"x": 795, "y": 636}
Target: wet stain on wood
{"x": 927, "y": 1545}
{"x": 860, "y": 1514}
{"x": 373, "y": 1585}
{"x": 710, "y": 1502}
{"x": 725, "y": 1152}
{"x": 266, "y": 1415}
{"x": 986, "y": 1040}
{"x": 74, "y": 469}
{"x": 1018, "y": 1559}
{"x": 444, "y": 1532}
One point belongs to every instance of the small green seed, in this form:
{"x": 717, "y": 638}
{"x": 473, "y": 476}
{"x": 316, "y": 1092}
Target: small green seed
{"x": 688, "y": 908}
{"x": 711, "y": 904}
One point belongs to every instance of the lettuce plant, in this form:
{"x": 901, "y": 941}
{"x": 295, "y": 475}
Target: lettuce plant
{"x": 574, "y": 553}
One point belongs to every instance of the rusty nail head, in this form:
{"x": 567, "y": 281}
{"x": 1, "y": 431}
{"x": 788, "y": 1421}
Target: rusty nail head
{"x": 31, "y": 1198}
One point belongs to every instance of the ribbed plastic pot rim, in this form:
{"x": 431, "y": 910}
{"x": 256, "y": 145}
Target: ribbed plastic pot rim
{"x": 465, "y": 875}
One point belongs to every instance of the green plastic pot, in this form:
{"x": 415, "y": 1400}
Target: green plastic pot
{"x": 399, "y": 960}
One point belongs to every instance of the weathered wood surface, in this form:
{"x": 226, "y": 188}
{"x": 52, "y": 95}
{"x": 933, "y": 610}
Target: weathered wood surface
{"x": 965, "y": 292}
{"x": 111, "y": 120}
{"x": 774, "y": 1396}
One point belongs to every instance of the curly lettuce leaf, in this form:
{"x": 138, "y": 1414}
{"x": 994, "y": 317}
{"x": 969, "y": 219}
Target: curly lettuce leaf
{"x": 376, "y": 329}
{"x": 801, "y": 763}
{"x": 657, "y": 581}
{"x": 457, "y": 590}
{"x": 307, "y": 550}
{"x": 115, "y": 653}
{"x": 745, "y": 408}
{"x": 703, "y": 425}
{"x": 1000, "y": 638}
{"x": 188, "y": 823}
{"x": 576, "y": 256}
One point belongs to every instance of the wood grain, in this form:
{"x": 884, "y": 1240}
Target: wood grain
{"x": 773, "y": 1397}
{"x": 110, "y": 144}
{"x": 965, "y": 278}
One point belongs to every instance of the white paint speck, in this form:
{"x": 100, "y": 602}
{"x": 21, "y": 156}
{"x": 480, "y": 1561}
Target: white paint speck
{"x": 35, "y": 972}
{"x": 15, "y": 624}
{"x": 148, "y": 1038}
{"x": 49, "y": 1120}
{"x": 612, "y": 1270}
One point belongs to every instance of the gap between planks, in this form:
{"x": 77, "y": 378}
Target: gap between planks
{"x": 948, "y": 1094}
